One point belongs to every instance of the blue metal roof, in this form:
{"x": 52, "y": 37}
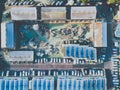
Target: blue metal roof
{"x": 2, "y": 82}
{"x": 11, "y": 85}
{"x": 103, "y": 84}
{"x": 6, "y": 84}
{"x": 67, "y": 51}
{"x": 92, "y": 84}
{"x": 34, "y": 84}
{"x": 80, "y": 52}
{"x": 98, "y": 84}
{"x": 72, "y": 51}
{"x": 10, "y": 35}
{"x": 16, "y": 84}
{"x": 89, "y": 84}
{"x": 87, "y": 53}
{"x": 25, "y": 84}
{"x": 77, "y": 52}
{"x": 92, "y": 57}
{"x": 83, "y": 85}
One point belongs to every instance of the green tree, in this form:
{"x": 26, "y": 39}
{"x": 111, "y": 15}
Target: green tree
{"x": 111, "y": 1}
{"x": 84, "y": 1}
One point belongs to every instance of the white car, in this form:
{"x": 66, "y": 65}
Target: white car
{"x": 115, "y": 73}
{"x": 15, "y": 73}
{"x": 115, "y": 60}
{"x": 114, "y": 49}
{"x": 7, "y": 73}
{"x": 115, "y": 78}
{"x": 116, "y": 69}
{"x": 116, "y": 83}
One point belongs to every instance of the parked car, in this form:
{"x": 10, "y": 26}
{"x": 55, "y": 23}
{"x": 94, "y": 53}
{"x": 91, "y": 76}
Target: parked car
{"x": 115, "y": 76}
{"x": 115, "y": 83}
{"x": 7, "y": 73}
{"x": 114, "y": 55}
{"x": 114, "y": 50}
{"x": 116, "y": 69}
{"x": 115, "y": 73}
{"x": 115, "y": 59}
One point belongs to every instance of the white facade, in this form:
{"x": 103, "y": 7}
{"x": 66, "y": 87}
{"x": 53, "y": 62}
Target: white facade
{"x": 3, "y": 35}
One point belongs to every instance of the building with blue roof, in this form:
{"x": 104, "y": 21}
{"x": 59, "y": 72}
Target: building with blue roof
{"x": 11, "y": 85}
{"x": 72, "y": 51}
{"x": 80, "y": 52}
{"x": 85, "y": 83}
{"x": 100, "y": 34}
{"x": 67, "y": 51}
{"x": 7, "y": 35}
{"x": 43, "y": 83}
{"x": 87, "y": 53}
{"x": 77, "y": 52}
{"x": 14, "y": 83}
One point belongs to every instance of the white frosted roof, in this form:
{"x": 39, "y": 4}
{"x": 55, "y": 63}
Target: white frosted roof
{"x": 21, "y": 55}
{"x": 83, "y": 12}
{"x": 52, "y": 13}
{"x": 23, "y": 13}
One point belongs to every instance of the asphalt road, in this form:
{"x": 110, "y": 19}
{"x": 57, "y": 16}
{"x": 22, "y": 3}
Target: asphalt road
{"x": 104, "y": 11}
{"x": 53, "y": 66}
